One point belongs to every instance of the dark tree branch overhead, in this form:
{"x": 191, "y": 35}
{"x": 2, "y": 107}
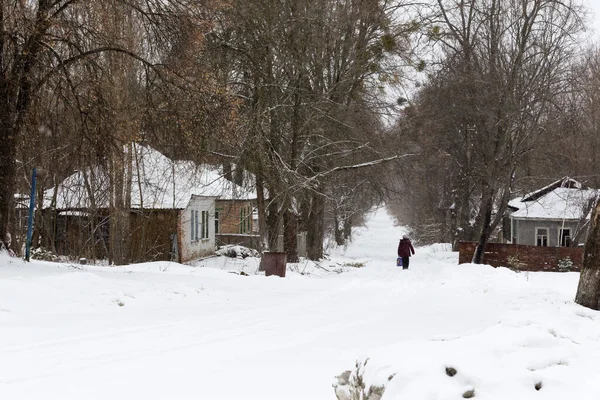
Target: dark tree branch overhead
{"x": 62, "y": 64}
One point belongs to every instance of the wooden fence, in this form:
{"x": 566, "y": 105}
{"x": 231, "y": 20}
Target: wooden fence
{"x": 521, "y": 257}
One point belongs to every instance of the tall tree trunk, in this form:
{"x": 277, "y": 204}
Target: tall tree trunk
{"x": 40, "y": 230}
{"x": 486, "y": 228}
{"x": 290, "y": 219}
{"x": 119, "y": 222}
{"x": 347, "y": 228}
{"x": 588, "y": 290}
{"x": 340, "y": 240}
{"x": 16, "y": 87}
{"x": 273, "y": 223}
{"x": 8, "y": 172}
{"x": 262, "y": 214}
{"x": 315, "y": 233}
{"x": 461, "y": 224}
{"x": 487, "y": 224}
{"x": 290, "y": 232}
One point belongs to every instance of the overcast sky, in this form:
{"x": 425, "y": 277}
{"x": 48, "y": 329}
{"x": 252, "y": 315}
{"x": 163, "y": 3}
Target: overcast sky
{"x": 594, "y": 22}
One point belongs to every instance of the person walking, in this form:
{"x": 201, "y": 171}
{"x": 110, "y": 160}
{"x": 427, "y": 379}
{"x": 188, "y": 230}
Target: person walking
{"x": 405, "y": 249}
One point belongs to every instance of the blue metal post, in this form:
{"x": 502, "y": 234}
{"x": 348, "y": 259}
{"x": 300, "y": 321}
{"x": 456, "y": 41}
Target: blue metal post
{"x": 30, "y": 219}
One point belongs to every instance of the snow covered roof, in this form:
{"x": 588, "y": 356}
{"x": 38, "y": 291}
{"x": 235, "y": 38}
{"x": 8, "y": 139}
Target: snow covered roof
{"x": 515, "y": 204}
{"x": 157, "y": 182}
{"x": 557, "y": 204}
{"x": 564, "y": 182}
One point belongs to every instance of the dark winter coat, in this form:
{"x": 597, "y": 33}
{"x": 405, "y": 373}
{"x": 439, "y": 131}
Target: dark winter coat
{"x": 405, "y": 248}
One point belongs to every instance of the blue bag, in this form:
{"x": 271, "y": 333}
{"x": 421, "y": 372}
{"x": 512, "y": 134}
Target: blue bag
{"x": 399, "y": 262}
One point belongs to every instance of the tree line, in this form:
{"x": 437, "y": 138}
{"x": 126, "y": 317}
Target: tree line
{"x": 510, "y": 105}
{"x": 505, "y": 109}
{"x": 290, "y": 91}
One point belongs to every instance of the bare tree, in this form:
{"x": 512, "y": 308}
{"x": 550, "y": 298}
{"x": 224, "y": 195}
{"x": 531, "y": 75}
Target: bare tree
{"x": 504, "y": 63}
{"x": 572, "y": 141}
{"x": 302, "y": 69}
{"x": 56, "y": 45}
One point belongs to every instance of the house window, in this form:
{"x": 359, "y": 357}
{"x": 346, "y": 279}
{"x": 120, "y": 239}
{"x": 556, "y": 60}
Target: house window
{"x": 564, "y": 237}
{"x": 204, "y": 225}
{"x": 249, "y": 218}
{"x": 195, "y": 224}
{"x": 192, "y": 226}
{"x": 216, "y": 222}
{"x": 541, "y": 235}
{"x": 243, "y": 220}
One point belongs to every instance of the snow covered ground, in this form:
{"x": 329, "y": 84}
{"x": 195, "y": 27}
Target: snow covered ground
{"x": 168, "y": 331}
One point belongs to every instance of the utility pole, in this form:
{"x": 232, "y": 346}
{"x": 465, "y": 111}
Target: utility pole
{"x": 30, "y": 218}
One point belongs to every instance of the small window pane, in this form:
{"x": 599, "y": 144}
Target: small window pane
{"x": 204, "y": 224}
{"x": 192, "y": 226}
{"x": 565, "y": 237}
{"x": 542, "y": 237}
{"x": 196, "y": 225}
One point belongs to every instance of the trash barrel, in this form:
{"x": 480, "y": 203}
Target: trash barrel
{"x": 274, "y": 263}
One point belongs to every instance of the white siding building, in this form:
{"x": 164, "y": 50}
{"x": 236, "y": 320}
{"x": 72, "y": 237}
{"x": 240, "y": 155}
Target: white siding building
{"x": 197, "y": 228}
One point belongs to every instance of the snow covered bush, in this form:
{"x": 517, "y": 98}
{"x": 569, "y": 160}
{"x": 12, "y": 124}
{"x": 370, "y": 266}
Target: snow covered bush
{"x": 236, "y": 251}
{"x": 515, "y": 264}
{"x": 350, "y": 385}
{"x": 41, "y": 253}
{"x": 565, "y": 264}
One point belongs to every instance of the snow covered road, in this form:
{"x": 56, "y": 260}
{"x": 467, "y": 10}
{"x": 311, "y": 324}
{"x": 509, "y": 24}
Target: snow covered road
{"x": 166, "y": 331}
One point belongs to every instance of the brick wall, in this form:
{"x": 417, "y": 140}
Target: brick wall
{"x": 529, "y": 258}
{"x": 229, "y": 216}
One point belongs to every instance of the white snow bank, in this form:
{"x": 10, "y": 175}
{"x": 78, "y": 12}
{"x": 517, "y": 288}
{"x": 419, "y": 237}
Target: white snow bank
{"x": 538, "y": 337}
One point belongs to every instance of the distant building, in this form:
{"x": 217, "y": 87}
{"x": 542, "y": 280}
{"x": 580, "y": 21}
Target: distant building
{"x": 555, "y": 215}
{"x": 175, "y": 208}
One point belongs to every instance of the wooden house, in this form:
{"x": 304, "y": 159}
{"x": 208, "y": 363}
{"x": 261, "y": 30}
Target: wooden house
{"x": 555, "y": 215}
{"x": 171, "y": 207}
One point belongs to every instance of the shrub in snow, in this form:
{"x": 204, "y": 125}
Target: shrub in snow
{"x": 350, "y": 385}
{"x": 41, "y": 253}
{"x": 356, "y": 264}
{"x": 469, "y": 394}
{"x": 235, "y": 251}
{"x": 450, "y": 371}
{"x": 515, "y": 264}
{"x": 565, "y": 264}
{"x": 341, "y": 386}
